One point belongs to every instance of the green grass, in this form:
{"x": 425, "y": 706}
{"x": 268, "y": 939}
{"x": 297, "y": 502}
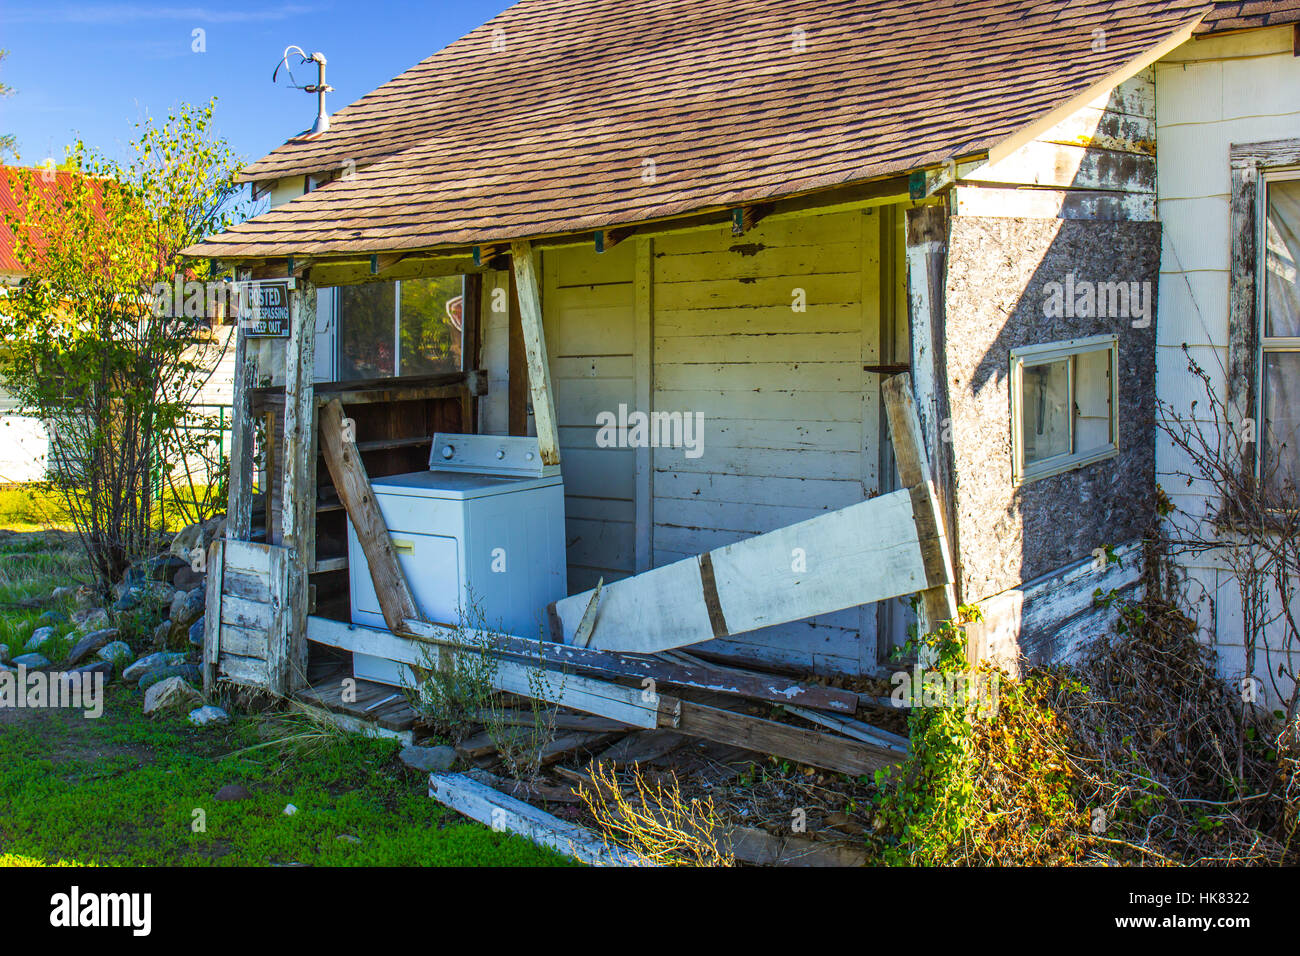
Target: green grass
{"x": 123, "y": 789}
{"x": 127, "y": 790}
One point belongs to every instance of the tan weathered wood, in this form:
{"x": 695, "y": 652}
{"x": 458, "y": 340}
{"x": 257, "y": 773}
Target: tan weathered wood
{"x": 938, "y": 601}
{"x": 353, "y": 487}
{"x": 298, "y": 507}
{"x": 539, "y": 372}
{"x": 277, "y": 633}
{"x": 212, "y": 614}
{"x": 769, "y": 737}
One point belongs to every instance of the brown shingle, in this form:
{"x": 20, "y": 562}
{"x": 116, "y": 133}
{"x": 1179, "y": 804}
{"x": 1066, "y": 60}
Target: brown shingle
{"x": 551, "y": 134}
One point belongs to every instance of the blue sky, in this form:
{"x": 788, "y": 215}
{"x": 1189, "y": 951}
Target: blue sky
{"x": 95, "y": 69}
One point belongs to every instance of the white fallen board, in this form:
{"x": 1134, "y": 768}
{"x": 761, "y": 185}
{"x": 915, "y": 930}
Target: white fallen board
{"x": 504, "y": 813}
{"x": 861, "y": 554}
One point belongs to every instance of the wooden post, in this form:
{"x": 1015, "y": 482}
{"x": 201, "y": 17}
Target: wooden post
{"x": 927, "y": 266}
{"x": 239, "y": 508}
{"x": 938, "y": 602}
{"x": 298, "y": 505}
{"x": 539, "y": 372}
{"x": 353, "y": 487}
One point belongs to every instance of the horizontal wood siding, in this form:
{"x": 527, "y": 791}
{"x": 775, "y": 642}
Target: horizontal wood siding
{"x": 790, "y": 416}
{"x": 587, "y": 314}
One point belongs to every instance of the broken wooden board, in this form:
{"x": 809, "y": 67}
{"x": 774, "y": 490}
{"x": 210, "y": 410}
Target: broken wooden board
{"x": 752, "y": 845}
{"x": 358, "y": 498}
{"x": 868, "y": 552}
{"x": 504, "y": 813}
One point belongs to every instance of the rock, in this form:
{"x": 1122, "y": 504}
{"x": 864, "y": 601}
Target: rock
{"x": 31, "y": 661}
{"x": 129, "y": 601}
{"x": 191, "y": 609}
{"x": 177, "y": 602}
{"x": 91, "y": 619}
{"x": 52, "y": 617}
{"x": 428, "y": 759}
{"x": 196, "y": 631}
{"x": 197, "y": 536}
{"x": 61, "y": 594}
{"x": 85, "y": 597}
{"x": 99, "y": 667}
{"x": 183, "y": 671}
{"x": 4, "y": 653}
{"x": 290, "y": 809}
{"x": 347, "y": 838}
{"x": 91, "y": 642}
{"x": 170, "y": 694}
{"x": 40, "y": 637}
{"x": 164, "y": 567}
{"x": 203, "y": 716}
{"x": 161, "y": 633}
{"x": 116, "y": 652}
{"x": 151, "y": 662}
{"x": 232, "y": 792}
{"x": 187, "y": 579}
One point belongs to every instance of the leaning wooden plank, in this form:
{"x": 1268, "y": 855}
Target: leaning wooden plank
{"x": 627, "y": 705}
{"x": 865, "y": 553}
{"x": 648, "y": 671}
{"x": 938, "y": 599}
{"x": 539, "y": 373}
{"x": 353, "y": 487}
{"x": 505, "y": 813}
{"x": 240, "y": 505}
{"x": 769, "y": 737}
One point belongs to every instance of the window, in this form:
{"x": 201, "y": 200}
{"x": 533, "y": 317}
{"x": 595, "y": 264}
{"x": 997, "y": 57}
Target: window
{"x": 1279, "y": 295}
{"x": 1063, "y": 405}
{"x": 409, "y": 327}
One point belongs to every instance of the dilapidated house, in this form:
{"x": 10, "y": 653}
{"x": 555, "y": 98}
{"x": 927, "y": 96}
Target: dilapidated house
{"x": 698, "y": 337}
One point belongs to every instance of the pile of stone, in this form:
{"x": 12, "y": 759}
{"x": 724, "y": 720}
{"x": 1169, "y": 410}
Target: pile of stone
{"x": 168, "y": 674}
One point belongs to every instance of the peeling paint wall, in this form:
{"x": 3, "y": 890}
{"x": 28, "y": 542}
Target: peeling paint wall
{"x": 997, "y": 272}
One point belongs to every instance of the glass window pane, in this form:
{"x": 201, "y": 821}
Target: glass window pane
{"x": 1045, "y": 405}
{"x": 431, "y": 325}
{"x": 1092, "y": 393}
{"x": 1282, "y": 253}
{"x": 366, "y": 324}
{"x": 1281, "y": 438}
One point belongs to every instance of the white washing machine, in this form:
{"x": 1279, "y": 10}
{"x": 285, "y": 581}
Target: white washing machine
{"x": 484, "y": 526}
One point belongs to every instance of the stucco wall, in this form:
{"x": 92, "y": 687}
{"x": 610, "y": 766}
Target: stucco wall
{"x": 997, "y": 272}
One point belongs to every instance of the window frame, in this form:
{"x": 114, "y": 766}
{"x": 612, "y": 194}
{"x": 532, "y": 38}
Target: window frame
{"x": 1265, "y": 343}
{"x": 1023, "y": 472}
{"x": 397, "y": 328}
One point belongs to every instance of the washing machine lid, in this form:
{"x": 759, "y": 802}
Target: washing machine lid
{"x": 458, "y": 485}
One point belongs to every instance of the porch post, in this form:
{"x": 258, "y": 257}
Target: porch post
{"x": 524, "y": 264}
{"x": 287, "y": 663}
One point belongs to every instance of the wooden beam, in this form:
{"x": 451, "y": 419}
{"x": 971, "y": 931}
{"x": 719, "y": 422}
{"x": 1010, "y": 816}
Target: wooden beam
{"x": 502, "y": 812}
{"x": 353, "y": 487}
{"x": 539, "y": 371}
{"x": 938, "y": 600}
{"x": 239, "y": 506}
{"x": 212, "y": 614}
{"x": 380, "y": 262}
{"x": 298, "y": 505}
{"x": 867, "y": 552}
{"x": 696, "y": 676}
{"x": 769, "y": 737}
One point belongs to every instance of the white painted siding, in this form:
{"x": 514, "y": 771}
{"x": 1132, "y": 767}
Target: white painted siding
{"x": 791, "y": 419}
{"x": 587, "y": 312}
{"x": 1209, "y": 94}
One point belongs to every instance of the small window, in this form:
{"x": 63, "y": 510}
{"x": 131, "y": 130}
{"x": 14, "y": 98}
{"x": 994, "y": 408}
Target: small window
{"x": 409, "y": 327}
{"x": 1063, "y": 405}
{"x": 1280, "y": 343}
